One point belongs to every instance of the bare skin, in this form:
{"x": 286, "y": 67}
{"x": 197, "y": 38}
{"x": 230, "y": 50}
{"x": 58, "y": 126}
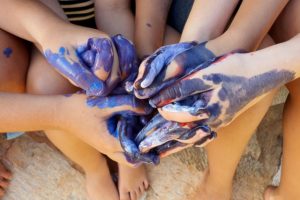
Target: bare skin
{"x": 289, "y": 185}
{"x": 41, "y": 75}
{"x": 218, "y": 182}
{"x": 114, "y": 17}
{"x": 13, "y": 70}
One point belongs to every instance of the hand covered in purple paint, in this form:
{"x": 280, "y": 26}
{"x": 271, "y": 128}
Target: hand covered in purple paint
{"x": 168, "y": 64}
{"x": 162, "y": 137}
{"x": 218, "y": 91}
{"x": 87, "y": 118}
{"x": 90, "y": 59}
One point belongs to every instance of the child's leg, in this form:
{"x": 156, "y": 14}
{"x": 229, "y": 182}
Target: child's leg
{"x": 286, "y": 27}
{"x": 114, "y": 17}
{"x": 43, "y": 79}
{"x": 13, "y": 68}
{"x": 225, "y": 152}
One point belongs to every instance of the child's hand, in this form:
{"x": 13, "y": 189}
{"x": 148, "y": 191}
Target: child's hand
{"x": 168, "y": 64}
{"x": 90, "y": 59}
{"x": 218, "y": 91}
{"x": 164, "y": 137}
{"x": 87, "y": 118}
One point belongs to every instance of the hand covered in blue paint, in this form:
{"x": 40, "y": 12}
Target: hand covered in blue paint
{"x": 163, "y": 137}
{"x": 88, "y": 118}
{"x": 217, "y": 91}
{"x": 91, "y": 60}
{"x": 168, "y": 64}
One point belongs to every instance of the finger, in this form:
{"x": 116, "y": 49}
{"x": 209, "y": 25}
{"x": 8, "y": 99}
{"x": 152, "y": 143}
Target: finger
{"x": 127, "y": 56}
{"x": 180, "y": 90}
{"x": 162, "y": 58}
{"x": 131, "y": 150}
{"x": 195, "y": 135}
{"x": 120, "y": 104}
{"x": 170, "y": 148}
{"x": 167, "y": 132}
{"x": 88, "y": 57}
{"x": 104, "y": 57}
{"x": 146, "y": 185}
{"x": 71, "y": 68}
{"x": 181, "y": 113}
{"x": 153, "y": 124}
{"x": 189, "y": 59}
{"x": 205, "y": 140}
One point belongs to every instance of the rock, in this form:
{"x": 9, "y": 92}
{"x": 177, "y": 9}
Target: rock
{"x": 42, "y": 173}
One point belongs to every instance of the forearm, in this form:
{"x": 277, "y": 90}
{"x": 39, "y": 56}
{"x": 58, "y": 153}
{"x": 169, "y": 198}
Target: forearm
{"x": 283, "y": 56}
{"x": 207, "y": 19}
{"x": 29, "y": 19}
{"x": 248, "y": 28}
{"x": 151, "y": 17}
{"x": 22, "y": 112}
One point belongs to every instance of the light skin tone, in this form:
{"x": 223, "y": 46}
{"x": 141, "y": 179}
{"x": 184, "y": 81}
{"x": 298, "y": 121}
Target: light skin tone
{"x": 94, "y": 165}
{"x": 213, "y": 187}
{"x": 288, "y": 188}
{"x": 13, "y": 70}
{"x": 116, "y": 17}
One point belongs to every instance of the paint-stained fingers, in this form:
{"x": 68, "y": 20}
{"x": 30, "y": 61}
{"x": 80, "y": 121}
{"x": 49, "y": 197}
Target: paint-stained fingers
{"x": 196, "y": 134}
{"x": 191, "y": 58}
{"x": 120, "y": 104}
{"x": 170, "y": 148}
{"x": 166, "y": 132}
{"x": 73, "y": 69}
{"x": 162, "y": 57}
{"x": 178, "y": 113}
{"x": 156, "y": 122}
{"x": 205, "y": 140}
{"x": 102, "y": 48}
{"x": 127, "y": 56}
{"x": 179, "y": 90}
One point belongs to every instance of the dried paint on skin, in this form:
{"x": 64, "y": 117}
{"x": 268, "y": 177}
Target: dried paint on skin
{"x": 7, "y": 52}
{"x": 232, "y": 93}
{"x": 182, "y": 57}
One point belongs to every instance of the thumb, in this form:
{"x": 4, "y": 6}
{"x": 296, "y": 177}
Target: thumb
{"x": 120, "y": 104}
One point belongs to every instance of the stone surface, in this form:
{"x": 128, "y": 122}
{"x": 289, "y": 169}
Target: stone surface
{"x": 42, "y": 173}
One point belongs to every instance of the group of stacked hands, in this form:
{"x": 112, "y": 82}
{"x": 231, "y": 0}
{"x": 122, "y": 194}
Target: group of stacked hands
{"x": 163, "y": 81}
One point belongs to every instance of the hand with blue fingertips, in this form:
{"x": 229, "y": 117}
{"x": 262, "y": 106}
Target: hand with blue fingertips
{"x": 222, "y": 90}
{"x": 92, "y": 63}
{"x": 96, "y": 122}
{"x": 163, "y": 137}
{"x": 168, "y": 64}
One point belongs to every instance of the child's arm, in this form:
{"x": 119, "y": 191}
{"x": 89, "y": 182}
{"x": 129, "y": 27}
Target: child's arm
{"x": 207, "y": 20}
{"x": 249, "y": 26}
{"x": 78, "y": 114}
{"x": 151, "y": 17}
{"x": 68, "y": 52}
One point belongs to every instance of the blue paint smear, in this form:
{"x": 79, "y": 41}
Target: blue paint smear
{"x": 7, "y": 52}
